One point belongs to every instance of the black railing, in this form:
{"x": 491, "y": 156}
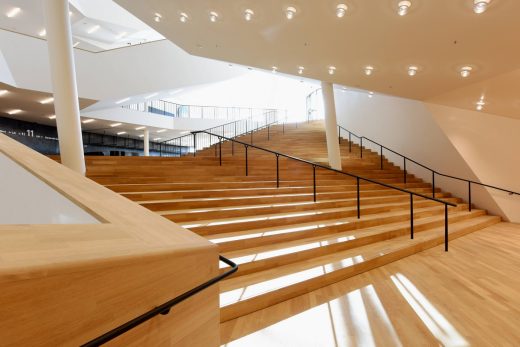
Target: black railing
{"x": 406, "y": 160}
{"x": 358, "y": 180}
{"x": 192, "y": 143}
{"x": 162, "y": 309}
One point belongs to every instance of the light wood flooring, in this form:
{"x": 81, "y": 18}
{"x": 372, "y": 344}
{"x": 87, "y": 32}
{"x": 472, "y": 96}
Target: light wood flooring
{"x": 469, "y": 296}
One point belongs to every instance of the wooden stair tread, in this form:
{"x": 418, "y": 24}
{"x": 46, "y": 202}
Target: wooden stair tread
{"x": 250, "y": 286}
{"x": 283, "y": 248}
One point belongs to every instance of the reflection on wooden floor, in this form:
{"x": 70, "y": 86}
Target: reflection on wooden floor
{"x": 469, "y": 296}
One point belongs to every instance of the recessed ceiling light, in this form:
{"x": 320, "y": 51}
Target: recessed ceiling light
{"x": 3, "y": 92}
{"x": 157, "y": 17}
{"x": 213, "y": 16}
{"x": 403, "y": 7}
{"x": 341, "y": 10}
{"x": 157, "y": 138}
{"x": 42, "y": 33}
{"x": 140, "y": 128}
{"x": 86, "y": 121}
{"x": 480, "y": 6}
{"x": 465, "y": 71}
{"x": 52, "y": 116}
{"x": 47, "y": 101}
{"x": 412, "y": 70}
{"x": 290, "y": 12}
{"x": 121, "y": 133}
{"x": 481, "y": 103}
{"x": 115, "y": 125}
{"x": 183, "y": 17}
{"x": 93, "y": 29}
{"x": 121, "y": 35}
{"x": 161, "y": 131}
{"x": 13, "y": 12}
{"x": 248, "y": 14}
{"x": 122, "y": 100}
{"x": 76, "y": 44}
{"x": 151, "y": 95}
{"x": 11, "y": 112}
{"x": 332, "y": 70}
{"x": 274, "y": 69}
{"x": 300, "y": 70}
{"x": 369, "y": 70}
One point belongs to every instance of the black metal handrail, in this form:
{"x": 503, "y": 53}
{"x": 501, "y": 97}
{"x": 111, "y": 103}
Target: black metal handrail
{"x": 358, "y": 179}
{"x": 407, "y": 159}
{"x": 162, "y": 309}
{"x": 236, "y": 128}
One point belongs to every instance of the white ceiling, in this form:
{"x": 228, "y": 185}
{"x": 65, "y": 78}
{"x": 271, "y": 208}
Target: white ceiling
{"x": 32, "y": 110}
{"x": 118, "y": 28}
{"x": 438, "y": 36}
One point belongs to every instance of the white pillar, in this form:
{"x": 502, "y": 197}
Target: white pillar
{"x": 146, "y": 140}
{"x": 331, "y": 125}
{"x": 66, "y": 106}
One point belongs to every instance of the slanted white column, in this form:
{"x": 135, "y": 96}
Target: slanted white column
{"x": 331, "y": 125}
{"x": 146, "y": 140}
{"x": 66, "y": 105}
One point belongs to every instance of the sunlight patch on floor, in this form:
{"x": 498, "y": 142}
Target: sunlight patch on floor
{"x": 344, "y": 322}
{"x": 438, "y": 325}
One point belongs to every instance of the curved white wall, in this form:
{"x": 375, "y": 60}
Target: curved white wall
{"x": 113, "y": 74}
{"x": 447, "y": 139}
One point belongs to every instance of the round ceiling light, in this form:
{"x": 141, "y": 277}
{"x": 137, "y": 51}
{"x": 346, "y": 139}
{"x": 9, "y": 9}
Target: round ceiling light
{"x": 332, "y": 70}
{"x": 183, "y": 17}
{"x": 412, "y": 70}
{"x": 300, "y": 70}
{"x": 480, "y": 6}
{"x": 341, "y": 10}
{"x": 248, "y": 14}
{"x": 465, "y": 71}
{"x": 213, "y": 16}
{"x": 369, "y": 70}
{"x": 290, "y": 12}
{"x": 403, "y": 7}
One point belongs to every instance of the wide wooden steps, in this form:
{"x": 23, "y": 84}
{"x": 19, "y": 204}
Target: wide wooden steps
{"x": 285, "y": 243}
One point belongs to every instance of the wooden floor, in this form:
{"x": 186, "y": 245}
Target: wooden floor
{"x": 469, "y": 296}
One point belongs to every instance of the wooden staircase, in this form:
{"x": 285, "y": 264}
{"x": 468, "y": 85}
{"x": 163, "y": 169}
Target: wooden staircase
{"x": 285, "y": 243}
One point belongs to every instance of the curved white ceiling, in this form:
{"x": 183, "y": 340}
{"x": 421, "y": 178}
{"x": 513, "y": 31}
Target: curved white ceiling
{"x": 117, "y": 27}
{"x": 438, "y": 36}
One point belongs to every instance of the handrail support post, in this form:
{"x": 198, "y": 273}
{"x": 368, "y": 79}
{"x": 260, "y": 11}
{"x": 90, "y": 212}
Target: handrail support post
{"x": 247, "y": 171}
{"x": 411, "y": 216}
{"x": 314, "y": 181}
{"x": 446, "y": 227}
{"x": 277, "y": 171}
{"x": 358, "y": 199}
{"x": 469, "y": 195}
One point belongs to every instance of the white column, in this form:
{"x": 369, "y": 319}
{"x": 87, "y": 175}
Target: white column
{"x": 66, "y": 106}
{"x": 146, "y": 140}
{"x": 331, "y": 125}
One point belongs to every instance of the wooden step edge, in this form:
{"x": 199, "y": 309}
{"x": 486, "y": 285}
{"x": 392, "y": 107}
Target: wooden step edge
{"x": 264, "y": 236}
{"x": 267, "y": 299}
{"x": 364, "y": 237}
